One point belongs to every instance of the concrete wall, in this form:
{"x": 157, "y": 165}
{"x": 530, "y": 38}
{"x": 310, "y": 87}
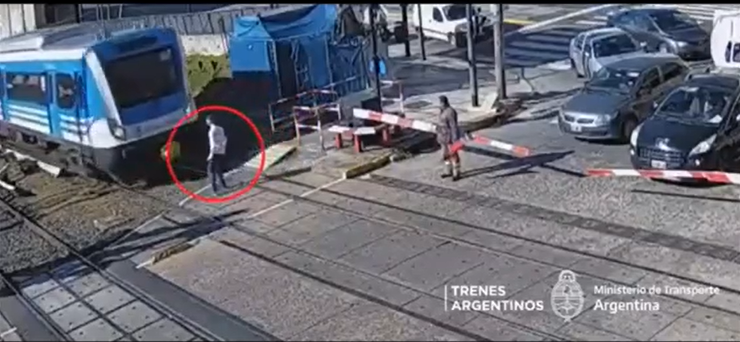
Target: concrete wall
{"x": 19, "y": 18}
{"x": 202, "y": 33}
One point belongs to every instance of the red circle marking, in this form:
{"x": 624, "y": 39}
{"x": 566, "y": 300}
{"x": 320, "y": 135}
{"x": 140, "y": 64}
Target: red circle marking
{"x": 252, "y": 183}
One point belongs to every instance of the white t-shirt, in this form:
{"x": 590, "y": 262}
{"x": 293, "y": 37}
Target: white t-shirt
{"x": 217, "y": 140}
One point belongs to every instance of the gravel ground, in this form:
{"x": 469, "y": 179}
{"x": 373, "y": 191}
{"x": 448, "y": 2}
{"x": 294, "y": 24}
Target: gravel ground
{"x": 84, "y": 212}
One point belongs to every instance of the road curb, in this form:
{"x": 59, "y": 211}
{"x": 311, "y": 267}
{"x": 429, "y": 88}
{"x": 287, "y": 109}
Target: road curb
{"x": 370, "y": 166}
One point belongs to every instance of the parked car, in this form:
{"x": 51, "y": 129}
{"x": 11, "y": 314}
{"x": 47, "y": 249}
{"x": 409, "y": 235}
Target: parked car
{"x": 591, "y": 50}
{"x": 620, "y": 96}
{"x": 664, "y": 30}
{"x": 449, "y": 22}
{"x": 695, "y": 127}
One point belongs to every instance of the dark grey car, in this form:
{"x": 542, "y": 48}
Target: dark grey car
{"x": 664, "y": 30}
{"x": 620, "y": 96}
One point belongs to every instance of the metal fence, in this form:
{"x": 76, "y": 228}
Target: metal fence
{"x": 313, "y": 70}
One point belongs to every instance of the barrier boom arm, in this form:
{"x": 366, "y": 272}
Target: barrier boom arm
{"x": 429, "y": 127}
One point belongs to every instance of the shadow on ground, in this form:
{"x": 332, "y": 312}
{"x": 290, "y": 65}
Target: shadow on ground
{"x": 523, "y": 165}
{"x": 132, "y": 244}
{"x": 243, "y": 143}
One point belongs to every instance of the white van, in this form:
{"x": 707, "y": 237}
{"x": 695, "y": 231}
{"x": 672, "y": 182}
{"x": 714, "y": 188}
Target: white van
{"x": 449, "y": 22}
{"x": 725, "y": 39}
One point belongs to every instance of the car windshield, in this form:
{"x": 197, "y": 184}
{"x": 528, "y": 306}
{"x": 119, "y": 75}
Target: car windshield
{"x": 613, "y": 79}
{"x": 696, "y": 104}
{"x": 456, "y": 12}
{"x": 614, "y": 45}
{"x": 672, "y": 20}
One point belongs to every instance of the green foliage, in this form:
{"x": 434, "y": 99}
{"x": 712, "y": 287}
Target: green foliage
{"x": 203, "y": 69}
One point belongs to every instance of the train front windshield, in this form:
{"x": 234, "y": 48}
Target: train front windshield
{"x": 144, "y": 77}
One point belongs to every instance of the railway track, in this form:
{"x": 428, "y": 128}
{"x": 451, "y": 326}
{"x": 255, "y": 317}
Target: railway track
{"x": 451, "y": 238}
{"x": 173, "y": 206}
{"x": 115, "y": 320}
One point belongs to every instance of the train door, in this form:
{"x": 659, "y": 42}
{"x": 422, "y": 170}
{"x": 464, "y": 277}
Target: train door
{"x": 65, "y": 108}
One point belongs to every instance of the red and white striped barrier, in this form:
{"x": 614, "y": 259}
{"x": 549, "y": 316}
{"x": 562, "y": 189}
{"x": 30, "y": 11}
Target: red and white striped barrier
{"x": 394, "y": 120}
{"x": 518, "y": 151}
{"x": 353, "y": 131}
{"x": 711, "y": 176}
{"x": 429, "y": 127}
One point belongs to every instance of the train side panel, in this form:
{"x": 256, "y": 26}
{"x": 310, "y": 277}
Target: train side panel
{"x": 39, "y": 97}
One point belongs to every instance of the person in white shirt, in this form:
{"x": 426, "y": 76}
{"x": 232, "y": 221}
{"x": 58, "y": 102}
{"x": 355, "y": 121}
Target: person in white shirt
{"x": 217, "y": 156}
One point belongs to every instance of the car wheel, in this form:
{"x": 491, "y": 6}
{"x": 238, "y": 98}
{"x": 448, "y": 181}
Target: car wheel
{"x": 663, "y": 47}
{"x": 628, "y": 127}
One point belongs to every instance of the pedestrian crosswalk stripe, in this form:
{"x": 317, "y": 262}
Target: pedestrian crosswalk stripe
{"x": 540, "y": 54}
{"x": 550, "y": 45}
{"x": 537, "y": 45}
{"x": 548, "y": 39}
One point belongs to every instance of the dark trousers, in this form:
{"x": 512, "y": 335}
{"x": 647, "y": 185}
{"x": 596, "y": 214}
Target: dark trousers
{"x": 216, "y": 171}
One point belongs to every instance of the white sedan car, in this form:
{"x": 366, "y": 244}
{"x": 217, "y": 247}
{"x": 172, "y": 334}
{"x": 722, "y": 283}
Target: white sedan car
{"x": 591, "y": 50}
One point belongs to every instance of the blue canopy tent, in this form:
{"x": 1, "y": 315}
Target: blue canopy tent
{"x": 288, "y": 52}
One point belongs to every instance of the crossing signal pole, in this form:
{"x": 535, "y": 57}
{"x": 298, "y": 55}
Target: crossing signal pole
{"x": 421, "y": 33}
{"x": 405, "y": 29}
{"x": 498, "y": 49}
{"x": 374, "y": 39}
{"x": 472, "y": 64}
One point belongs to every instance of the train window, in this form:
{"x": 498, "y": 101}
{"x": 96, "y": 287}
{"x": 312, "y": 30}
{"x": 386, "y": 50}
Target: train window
{"x": 2, "y": 82}
{"x": 27, "y": 87}
{"x": 66, "y": 91}
{"x": 144, "y": 77}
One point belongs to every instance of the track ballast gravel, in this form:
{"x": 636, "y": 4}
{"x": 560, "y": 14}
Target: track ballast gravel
{"x": 88, "y": 214}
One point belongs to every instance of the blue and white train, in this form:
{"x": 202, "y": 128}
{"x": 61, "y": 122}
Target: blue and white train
{"x": 88, "y": 100}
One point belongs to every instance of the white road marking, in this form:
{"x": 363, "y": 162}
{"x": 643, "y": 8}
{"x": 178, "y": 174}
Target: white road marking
{"x": 194, "y": 241}
{"x": 562, "y": 65}
{"x": 303, "y": 195}
{"x": 8, "y": 332}
{"x": 575, "y": 14}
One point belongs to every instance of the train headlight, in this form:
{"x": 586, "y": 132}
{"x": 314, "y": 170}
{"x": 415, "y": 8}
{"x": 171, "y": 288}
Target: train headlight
{"x": 117, "y": 131}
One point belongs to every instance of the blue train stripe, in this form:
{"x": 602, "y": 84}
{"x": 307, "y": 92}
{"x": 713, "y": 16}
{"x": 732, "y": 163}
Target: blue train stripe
{"x": 29, "y": 110}
{"x": 74, "y": 127}
{"x": 29, "y": 118}
{"x": 34, "y": 124}
{"x": 30, "y": 124}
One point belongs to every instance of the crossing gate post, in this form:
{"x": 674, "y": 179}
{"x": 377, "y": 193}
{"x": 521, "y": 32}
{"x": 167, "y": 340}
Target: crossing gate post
{"x": 319, "y": 112}
{"x": 297, "y": 126}
{"x": 357, "y": 139}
